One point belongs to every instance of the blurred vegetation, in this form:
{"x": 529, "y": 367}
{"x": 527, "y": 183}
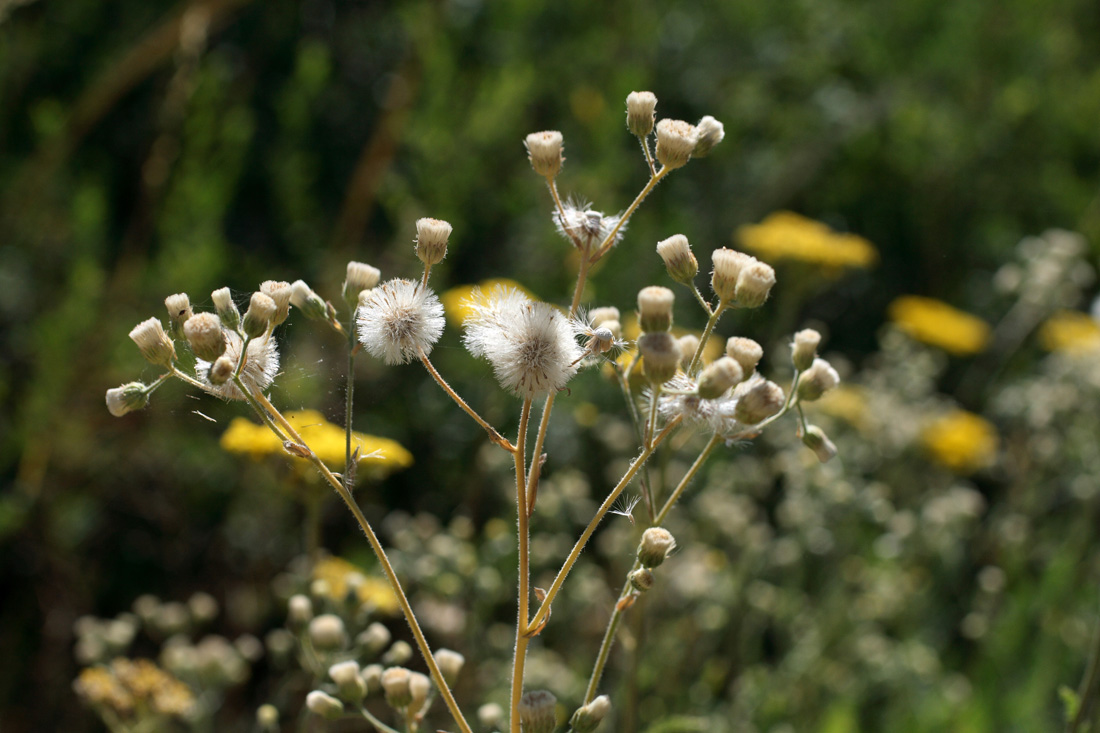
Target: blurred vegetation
{"x": 151, "y": 148}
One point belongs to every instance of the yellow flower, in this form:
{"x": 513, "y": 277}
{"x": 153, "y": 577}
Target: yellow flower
{"x": 785, "y": 235}
{"x": 136, "y": 683}
{"x": 335, "y": 571}
{"x": 1070, "y": 331}
{"x": 938, "y": 324}
{"x": 846, "y": 402}
{"x": 379, "y": 455}
{"x": 455, "y": 299}
{"x": 961, "y": 441}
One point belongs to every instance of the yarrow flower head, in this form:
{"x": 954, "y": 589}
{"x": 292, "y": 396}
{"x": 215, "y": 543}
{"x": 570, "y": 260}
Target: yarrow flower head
{"x": 260, "y": 366}
{"x": 529, "y": 344}
{"x": 585, "y": 228}
{"x": 399, "y": 320}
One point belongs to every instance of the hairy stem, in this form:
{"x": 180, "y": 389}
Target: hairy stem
{"x": 711, "y": 322}
{"x": 493, "y": 434}
{"x": 520, "y": 658}
{"x": 378, "y": 724}
{"x": 609, "y": 240}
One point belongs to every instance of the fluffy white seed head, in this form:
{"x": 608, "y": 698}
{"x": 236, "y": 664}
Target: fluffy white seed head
{"x": 675, "y": 142}
{"x": 804, "y": 348}
{"x": 127, "y": 398}
{"x": 529, "y": 344}
{"x": 817, "y": 380}
{"x": 226, "y": 308}
{"x": 727, "y": 266}
{"x": 640, "y": 108}
{"x": 260, "y": 314}
{"x": 584, "y": 228}
{"x": 754, "y": 284}
{"x": 431, "y": 240}
{"x": 153, "y": 342}
{"x": 205, "y": 336}
{"x": 655, "y": 308}
{"x": 711, "y": 132}
{"x": 544, "y": 149}
{"x": 399, "y": 320}
{"x": 678, "y": 258}
{"x": 260, "y": 366}
{"x": 280, "y": 292}
{"x": 745, "y": 352}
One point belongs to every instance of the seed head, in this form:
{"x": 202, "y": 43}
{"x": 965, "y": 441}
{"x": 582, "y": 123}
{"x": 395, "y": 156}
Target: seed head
{"x": 760, "y": 402}
{"x": 816, "y": 440}
{"x": 745, "y": 352}
{"x": 711, "y": 132}
{"x": 640, "y": 107}
{"x": 654, "y": 547}
{"x": 398, "y": 320}
{"x": 260, "y": 366}
{"x": 205, "y": 336}
{"x": 675, "y": 142}
{"x": 717, "y": 378}
{"x": 804, "y": 348}
{"x": 585, "y": 228}
{"x": 127, "y": 398}
{"x": 280, "y": 292}
{"x": 544, "y": 150}
{"x": 153, "y": 342}
{"x": 754, "y": 283}
{"x": 728, "y": 264}
{"x": 660, "y": 356}
{"x": 678, "y": 258}
{"x": 179, "y": 310}
{"x": 431, "y": 240}
{"x": 226, "y": 308}
{"x": 817, "y": 380}
{"x": 325, "y": 705}
{"x": 258, "y": 318}
{"x": 536, "y": 711}
{"x": 655, "y": 308}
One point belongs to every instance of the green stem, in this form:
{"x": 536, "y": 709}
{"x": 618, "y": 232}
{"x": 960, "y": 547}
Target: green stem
{"x": 609, "y": 240}
{"x": 714, "y": 442}
{"x": 493, "y": 434}
{"x": 644, "y": 141}
{"x": 651, "y": 423}
{"x": 520, "y": 659}
{"x": 349, "y": 399}
{"x": 711, "y": 322}
{"x": 702, "y": 301}
{"x": 378, "y": 724}
{"x": 639, "y": 435}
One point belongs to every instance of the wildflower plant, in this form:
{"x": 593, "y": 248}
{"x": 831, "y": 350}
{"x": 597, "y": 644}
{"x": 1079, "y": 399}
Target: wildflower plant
{"x": 534, "y": 349}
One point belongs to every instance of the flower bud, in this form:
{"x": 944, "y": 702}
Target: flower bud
{"x": 804, "y": 348}
{"x": 654, "y": 547}
{"x": 127, "y": 398}
{"x": 360, "y": 277}
{"x": 490, "y": 715}
{"x": 655, "y": 308}
{"x": 759, "y": 403}
{"x": 678, "y": 258}
{"x": 745, "y": 352}
{"x": 711, "y": 132}
{"x": 179, "y": 310}
{"x": 267, "y": 717}
{"x": 372, "y": 677}
{"x": 816, "y": 440}
{"x": 221, "y": 371}
{"x": 431, "y": 240}
{"x": 204, "y": 336}
{"x": 718, "y": 377}
{"x": 450, "y": 664}
{"x": 754, "y": 283}
{"x": 324, "y": 705}
{"x": 399, "y": 653}
{"x": 327, "y": 632}
{"x": 817, "y": 380}
{"x": 226, "y": 308}
{"x": 420, "y": 686}
{"x": 588, "y": 717}
{"x": 306, "y": 300}
{"x": 299, "y": 611}
{"x": 641, "y": 579}
{"x": 688, "y": 344}
{"x": 280, "y": 292}
{"x": 153, "y": 342}
{"x": 660, "y": 356}
{"x": 675, "y": 142}
{"x": 640, "y": 107}
{"x": 544, "y": 150}
{"x": 203, "y": 607}
{"x": 395, "y": 685}
{"x": 261, "y": 311}
{"x": 536, "y": 711}
{"x": 727, "y": 266}
{"x": 351, "y": 686}
{"x": 597, "y": 316}
{"x": 374, "y": 638}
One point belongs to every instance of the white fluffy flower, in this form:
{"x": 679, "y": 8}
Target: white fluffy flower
{"x": 260, "y": 366}
{"x": 586, "y": 228}
{"x": 399, "y": 319}
{"x": 529, "y": 344}
{"x": 717, "y": 415}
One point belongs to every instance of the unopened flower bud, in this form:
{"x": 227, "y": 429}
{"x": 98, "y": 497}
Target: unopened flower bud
{"x": 280, "y": 292}
{"x": 420, "y": 686}
{"x": 450, "y": 664}
{"x": 728, "y": 264}
{"x": 544, "y": 151}
{"x": 327, "y": 632}
{"x": 640, "y": 107}
{"x": 204, "y": 336}
{"x": 588, "y": 717}
{"x": 711, "y": 132}
{"x": 179, "y": 310}
{"x": 817, "y": 380}
{"x": 221, "y": 371}
{"x": 759, "y": 403}
{"x": 816, "y": 440}
{"x": 431, "y": 240}
{"x": 153, "y": 342}
{"x": 754, "y": 284}
{"x": 597, "y": 316}
{"x": 804, "y": 348}
{"x": 398, "y": 653}
{"x": 678, "y": 258}
{"x": 395, "y": 685}
{"x": 660, "y": 356}
{"x": 352, "y": 688}
{"x": 360, "y": 277}
{"x": 745, "y": 352}
{"x": 299, "y": 611}
{"x": 374, "y": 638}
{"x": 641, "y": 579}
{"x": 491, "y": 715}
{"x": 372, "y": 676}
{"x": 675, "y": 142}
{"x": 267, "y": 717}
{"x": 688, "y": 345}
{"x": 654, "y": 547}
{"x": 536, "y": 711}
{"x": 127, "y": 398}
{"x": 203, "y": 607}
{"x": 261, "y": 311}
{"x": 718, "y": 377}
{"x": 226, "y": 308}
{"x": 325, "y": 705}
{"x": 306, "y": 300}
{"x": 655, "y": 308}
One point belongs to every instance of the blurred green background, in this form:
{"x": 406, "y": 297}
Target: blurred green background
{"x": 150, "y": 148}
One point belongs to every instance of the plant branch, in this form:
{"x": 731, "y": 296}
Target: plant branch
{"x": 493, "y": 434}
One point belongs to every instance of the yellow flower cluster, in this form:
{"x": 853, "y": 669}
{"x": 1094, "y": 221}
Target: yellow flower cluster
{"x": 335, "y": 572}
{"x": 961, "y": 441}
{"x": 1070, "y": 331}
{"x": 380, "y": 455}
{"x": 785, "y": 235}
{"x": 456, "y": 300}
{"x": 938, "y": 324}
{"x": 134, "y": 685}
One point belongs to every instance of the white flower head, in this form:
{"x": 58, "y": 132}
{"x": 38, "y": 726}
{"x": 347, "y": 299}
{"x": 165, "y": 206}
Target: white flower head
{"x": 260, "y": 366}
{"x": 586, "y": 228}
{"x": 398, "y": 320}
{"x": 717, "y": 415}
{"x": 530, "y": 344}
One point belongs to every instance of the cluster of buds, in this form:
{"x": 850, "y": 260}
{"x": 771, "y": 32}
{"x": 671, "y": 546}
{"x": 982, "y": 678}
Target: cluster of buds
{"x": 740, "y": 279}
{"x": 677, "y": 141}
